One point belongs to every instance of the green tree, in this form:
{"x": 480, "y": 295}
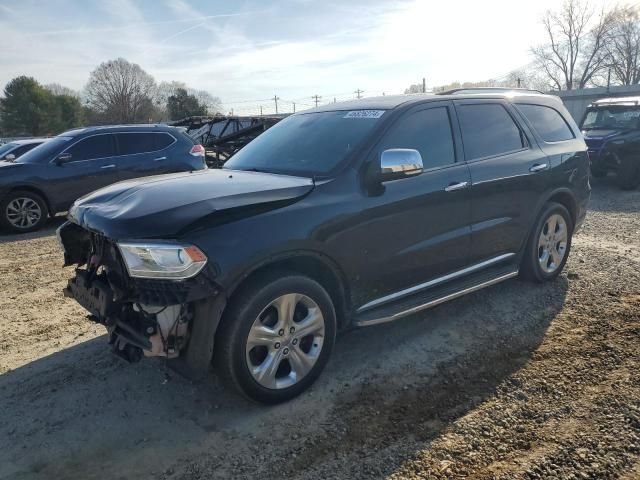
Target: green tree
{"x": 181, "y": 105}
{"x": 66, "y": 112}
{"x": 26, "y": 108}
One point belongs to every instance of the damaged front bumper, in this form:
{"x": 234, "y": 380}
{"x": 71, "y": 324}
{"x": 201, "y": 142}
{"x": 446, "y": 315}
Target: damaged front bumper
{"x": 143, "y": 317}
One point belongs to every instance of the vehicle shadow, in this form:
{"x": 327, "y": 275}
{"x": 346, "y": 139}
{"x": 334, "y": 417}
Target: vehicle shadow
{"x": 48, "y": 230}
{"x": 82, "y": 413}
{"x": 607, "y": 196}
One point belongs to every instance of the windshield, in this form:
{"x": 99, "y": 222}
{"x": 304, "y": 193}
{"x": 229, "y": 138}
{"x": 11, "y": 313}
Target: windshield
{"x": 612, "y": 117}
{"x": 6, "y": 148}
{"x": 307, "y": 144}
{"x": 44, "y": 152}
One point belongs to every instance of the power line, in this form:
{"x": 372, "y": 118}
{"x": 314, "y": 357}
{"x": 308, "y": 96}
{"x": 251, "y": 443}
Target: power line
{"x": 316, "y": 98}
{"x": 358, "y": 92}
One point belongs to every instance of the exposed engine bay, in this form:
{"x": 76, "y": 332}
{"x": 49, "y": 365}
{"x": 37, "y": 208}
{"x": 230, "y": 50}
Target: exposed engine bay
{"x": 142, "y": 317}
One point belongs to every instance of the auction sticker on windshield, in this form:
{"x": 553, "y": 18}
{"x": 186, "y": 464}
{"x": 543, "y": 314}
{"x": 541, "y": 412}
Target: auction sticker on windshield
{"x": 364, "y": 114}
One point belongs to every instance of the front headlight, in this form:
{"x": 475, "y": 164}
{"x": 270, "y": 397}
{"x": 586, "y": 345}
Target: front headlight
{"x": 162, "y": 260}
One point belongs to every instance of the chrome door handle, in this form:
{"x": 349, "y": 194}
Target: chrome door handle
{"x": 159, "y": 159}
{"x": 538, "y": 167}
{"x": 456, "y": 186}
{"x": 108, "y": 166}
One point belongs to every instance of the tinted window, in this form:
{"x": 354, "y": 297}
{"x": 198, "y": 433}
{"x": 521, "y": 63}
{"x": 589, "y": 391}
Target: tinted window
{"x": 429, "y": 132}
{"x": 6, "y": 148}
{"x": 308, "y": 143}
{"x": 163, "y": 140}
{"x": 132, "y": 143}
{"x": 612, "y": 117}
{"x": 547, "y": 122}
{"x": 47, "y": 151}
{"x": 488, "y": 129}
{"x": 98, "y": 146}
{"x": 24, "y": 149}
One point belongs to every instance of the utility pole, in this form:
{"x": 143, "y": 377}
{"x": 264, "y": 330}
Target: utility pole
{"x": 260, "y": 110}
{"x": 275, "y": 99}
{"x": 424, "y": 85}
{"x": 608, "y": 79}
{"x": 316, "y": 98}
{"x": 232, "y": 112}
{"x": 519, "y": 82}
{"x": 358, "y": 92}
{"x": 334, "y": 99}
{"x": 294, "y": 107}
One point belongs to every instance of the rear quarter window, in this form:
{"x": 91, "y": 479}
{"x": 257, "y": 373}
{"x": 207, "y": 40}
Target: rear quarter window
{"x": 547, "y": 122}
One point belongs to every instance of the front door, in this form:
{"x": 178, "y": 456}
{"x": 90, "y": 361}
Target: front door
{"x": 93, "y": 164}
{"x": 418, "y": 228}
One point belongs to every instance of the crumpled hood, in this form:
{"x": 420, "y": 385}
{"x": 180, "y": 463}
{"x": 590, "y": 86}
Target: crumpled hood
{"x": 165, "y": 205}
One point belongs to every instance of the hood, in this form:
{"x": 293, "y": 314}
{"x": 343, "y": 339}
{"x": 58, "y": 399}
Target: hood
{"x": 601, "y": 134}
{"x": 166, "y": 205}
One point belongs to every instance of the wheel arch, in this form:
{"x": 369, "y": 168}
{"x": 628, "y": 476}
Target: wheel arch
{"x": 32, "y": 189}
{"x": 565, "y": 198}
{"x": 314, "y": 265}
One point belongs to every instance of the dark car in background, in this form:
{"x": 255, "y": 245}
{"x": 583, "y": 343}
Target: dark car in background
{"x": 49, "y": 178}
{"x": 16, "y": 148}
{"x": 611, "y": 128}
{"x": 349, "y": 215}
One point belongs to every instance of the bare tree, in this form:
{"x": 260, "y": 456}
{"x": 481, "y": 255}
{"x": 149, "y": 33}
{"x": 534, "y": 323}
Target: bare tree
{"x": 623, "y": 46}
{"x": 58, "y": 89}
{"x": 576, "y": 49}
{"x": 121, "y": 92}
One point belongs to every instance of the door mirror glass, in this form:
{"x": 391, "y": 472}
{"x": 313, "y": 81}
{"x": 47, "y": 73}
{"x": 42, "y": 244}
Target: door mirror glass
{"x": 10, "y": 157}
{"x": 63, "y": 158}
{"x": 397, "y": 163}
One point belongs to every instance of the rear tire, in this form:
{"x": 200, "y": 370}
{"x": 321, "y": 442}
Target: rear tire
{"x": 275, "y": 337}
{"x": 549, "y": 244}
{"x": 22, "y": 211}
{"x": 629, "y": 172}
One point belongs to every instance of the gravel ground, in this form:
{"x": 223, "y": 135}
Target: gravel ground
{"x": 516, "y": 381}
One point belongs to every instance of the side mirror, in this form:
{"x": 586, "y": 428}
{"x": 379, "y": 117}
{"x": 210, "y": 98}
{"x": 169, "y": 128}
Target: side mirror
{"x": 397, "y": 163}
{"x": 63, "y": 158}
{"x": 10, "y": 157}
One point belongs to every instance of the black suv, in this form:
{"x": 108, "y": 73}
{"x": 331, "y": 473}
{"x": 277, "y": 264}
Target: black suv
{"x": 344, "y": 216}
{"x": 49, "y": 178}
{"x": 611, "y": 128}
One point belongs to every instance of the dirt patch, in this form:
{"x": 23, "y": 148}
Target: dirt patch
{"x": 517, "y": 381}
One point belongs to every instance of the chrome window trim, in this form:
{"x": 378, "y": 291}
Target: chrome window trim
{"x": 434, "y": 282}
{"x": 175, "y": 140}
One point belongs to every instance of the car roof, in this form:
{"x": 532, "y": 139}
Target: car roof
{"x": 27, "y": 141}
{"x": 143, "y": 127}
{"x": 390, "y": 102}
{"x": 616, "y": 101}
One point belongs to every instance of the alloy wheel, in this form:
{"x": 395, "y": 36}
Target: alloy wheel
{"x": 285, "y": 341}
{"x": 552, "y": 243}
{"x": 23, "y": 212}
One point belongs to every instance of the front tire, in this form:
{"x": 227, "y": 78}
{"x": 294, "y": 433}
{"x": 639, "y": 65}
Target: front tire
{"x": 275, "y": 338}
{"x": 23, "y": 211}
{"x": 549, "y": 244}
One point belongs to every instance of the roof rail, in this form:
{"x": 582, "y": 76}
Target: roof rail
{"x": 458, "y": 91}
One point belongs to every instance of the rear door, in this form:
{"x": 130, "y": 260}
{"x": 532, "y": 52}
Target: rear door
{"x": 508, "y": 175}
{"x": 418, "y": 228}
{"x": 144, "y": 153}
{"x": 93, "y": 164}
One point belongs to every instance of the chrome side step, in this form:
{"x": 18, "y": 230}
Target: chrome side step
{"x": 435, "y": 301}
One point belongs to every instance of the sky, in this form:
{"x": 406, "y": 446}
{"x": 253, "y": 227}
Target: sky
{"x": 246, "y": 52}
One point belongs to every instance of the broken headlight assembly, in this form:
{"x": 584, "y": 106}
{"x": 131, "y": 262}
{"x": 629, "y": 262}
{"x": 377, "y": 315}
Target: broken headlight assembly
{"x": 162, "y": 260}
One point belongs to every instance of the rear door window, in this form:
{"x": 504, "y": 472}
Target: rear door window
{"x": 488, "y": 130}
{"x": 547, "y": 122}
{"x": 90, "y": 148}
{"x": 142, "y": 142}
{"x": 429, "y": 132}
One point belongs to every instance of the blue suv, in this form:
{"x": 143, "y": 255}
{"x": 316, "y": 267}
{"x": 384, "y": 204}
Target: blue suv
{"x": 49, "y": 178}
